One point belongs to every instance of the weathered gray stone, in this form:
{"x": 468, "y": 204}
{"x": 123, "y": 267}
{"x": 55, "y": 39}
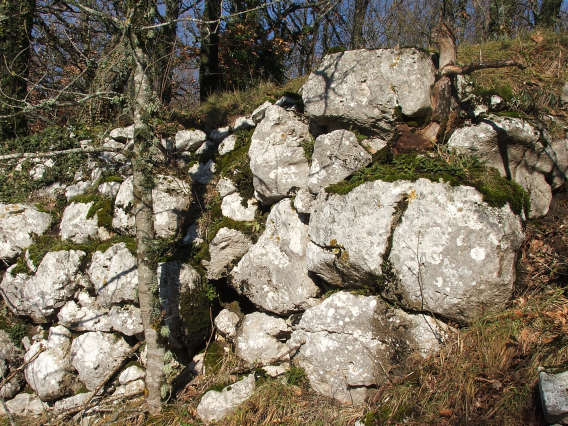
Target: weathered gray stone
{"x": 303, "y": 201}
{"x": 232, "y": 207}
{"x": 227, "y": 145}
{"x": 76, "y": 225}
{"x": 453, "y": 254}
{"x": 17, "y": 224}
{"x": 370, "y": 88}
{"x": 228, "y": 246}
{"x": 225, "y": 187}
{"x": 527, "y": 160}
{"x": 131, "y": 374}
{"x": 336, "y": 156}
{"x": 72, "y": 402}
{"x": 258, "y": 339}
{"x": 373, "y": 145}
{"x": 202, "y": 172}
{"x": 126, "y": 320}
{"x": 215, "y": 405}
{"x": 171, "y": 198}
{"x": 84, "y": 318}
{"x": 273, "y": 273}
{"x": 114, "y": 275}
{"x": 42, "y": 294}
{"x": 206, "y": 147}
{"x": 50, "y": 375}
{"x": 243, "y": 123}
{"x": 349, "y": 343}
{"x": 554, "y": 396}
{"x": 277, "y": 158}
{"x": 131, "y": 388}
{"x": 189, "y": 140}
{"x": 217, "y": 135}
{"x": 24, "y": 404}
{"x": 38, "y": 171}
{"x": 258, "y": 114}
{"x": 109, "y": 189}
{"x": 78, "y": 188}
{"x": 226, "y": 323}
{"x": 95, "y": 354}
{"x": 122, "y": 134}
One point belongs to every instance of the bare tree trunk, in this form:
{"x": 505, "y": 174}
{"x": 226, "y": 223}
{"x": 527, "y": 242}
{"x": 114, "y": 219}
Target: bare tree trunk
{"x": 549, "y": 11}
{"x": 142, "y": 181}
{"x": 358, "y": 21}
{"x": 209, "y": 74}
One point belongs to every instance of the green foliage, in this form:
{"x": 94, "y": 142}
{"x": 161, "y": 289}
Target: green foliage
{"x": 335, "y": 49}
{"x": 15, "y": 327}
{"x": 214, "y": 358}
{"x": 308, "y": 145}
{"x": 295, "y": 375}
{"x": 102, "y": 207}
{"x": 112, "y": 178}
{"x": 496, "y": 190}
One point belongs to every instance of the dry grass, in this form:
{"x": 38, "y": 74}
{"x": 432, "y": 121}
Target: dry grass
{"x": 535, "y": 88}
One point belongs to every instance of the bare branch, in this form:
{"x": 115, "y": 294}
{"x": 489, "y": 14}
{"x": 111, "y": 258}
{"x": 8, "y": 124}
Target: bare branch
{"x": 87, "y": 150}
{"x": 21, "y": 367}
{"x": 468, "y": 69}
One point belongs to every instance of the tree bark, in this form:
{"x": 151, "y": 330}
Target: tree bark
{"x": 16, "y": 21}
{"x": 209, "y": 74}
{"x": 359, "y": 16}
{"x": 549, "y": 11}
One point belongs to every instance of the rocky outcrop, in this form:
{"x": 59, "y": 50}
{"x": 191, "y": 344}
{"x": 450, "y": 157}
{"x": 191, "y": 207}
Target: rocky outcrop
{"x": 215, "y": 405}
{"x": 95, "y": 354}
{"x": 370, "y": 88}
{"x": 258, "y": 339}
{"x": 227, "y": 248}
{"x": 114, "y": 275}
{"x": 232, "y": 207}
{"x": 349, "y": 343}
{"x": 336, "y": 156}
{"x": 76, "y": 225}
{"x": 276, "y": 153}
{"x": 273, "y": 273}
{"x": 41, "y": 295}
{"x": 17, "y": 224}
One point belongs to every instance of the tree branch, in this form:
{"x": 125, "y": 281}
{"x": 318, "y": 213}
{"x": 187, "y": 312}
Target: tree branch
{"x": 468, "y": 69}
{"x": 88, "y": 150}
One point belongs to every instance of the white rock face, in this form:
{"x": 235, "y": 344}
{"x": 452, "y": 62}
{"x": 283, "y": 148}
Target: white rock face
{"x": 368, "y": 87}
{"x": 277, "y": 158}
{"x": 10, "y": 359}
{"x": 257, "y": 340}
{"x": 131, "y": 388}
{"x": 243, "y": 123}
{"x": 42, "y": 294}
{"x": 226, "y": 323}
{"x": 71, "y": 402}
{"x": 189, "y": 140}
{"x": 202, "y": 172}
{"x": 50, "y": 374}
{"x": 78, "y": 188}
{"x": 273, "y": 274}
{"x": 554, "y": 396}
{"x": 17, "y": 223}
{"x": 126, "y": 320}
{"x": 75, "y": 225}
{"x": 24, "y": 404}
{"x": 171, "y": 197}
{"x": 344, "y": 341}
{"x": 225, "y": 187}
{"x": 373, "y": 145}
{"x": 122, "y": 134}
{"x": 303, "y": 201}
{"x": 227, "y": 145}
{"x": 467, "y": 252}
{"x": 232, "y": 207}
{"x": 95, "y": 354}
{"x": 109, "y": 189}
{"x": 131, "y": 374}
{"x": 114, "y": 275}
{"x": 258, "y": 114}
{"x": 336, "y": 156}
{"x": 84, "y": 318}
{"x": 217, "y": 135}
{"x": 228, "y": 246}
{"x": 216, "y": 405}
{"x": 528, "y": 162}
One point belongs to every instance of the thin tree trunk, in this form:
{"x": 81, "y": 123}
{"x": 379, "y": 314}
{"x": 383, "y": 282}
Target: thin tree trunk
{"x": 142, "y": 182}
{"x": 549, "y": 11}
{"x": 358, "y": 21}
{"x": 209, "y": 75}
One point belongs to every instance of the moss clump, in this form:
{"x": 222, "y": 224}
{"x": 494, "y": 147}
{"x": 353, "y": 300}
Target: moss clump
{"x": 308, "y": 145}
{"x": 102, "y": 207}
{"x": 112, "y": 178}
{"x": 213, "y": 358}
{"x": 496, "y": 190}
{"x": 12, "y": 325}
{"x": 295, "y": 375}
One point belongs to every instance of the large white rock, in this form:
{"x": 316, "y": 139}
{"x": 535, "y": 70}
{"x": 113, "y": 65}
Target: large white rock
{"x": 554, "y": 396}
{"x": 126, "y": 320}
{"x": 75, "y": 225}
{"x": 258, "y": 114}
{"x": 42, "y": 294}
{"x": 277, "y": 158}
{"x": 50, "y": 375}
{"x": 71, "y": 402}
{"x": 78, "y": 188}
{"x": 95, "y": 354}
{"x": 131, "y": 374}
{"x": 273, "y": 273}
{"x": 370, "y": 88}
{"x": 84, "y": 318}
{"x": 232, "y": 207}
{"x": 226, "y": 323}
{"x": 336, "y": 156}
{"x": 24, "y": 404}
{"x": 227, "y": 145}
{"x": 514, "y": 148}
{"x": 109, "y": 189}
{"x": 114, "y": 275}
{"x": 122, "y": 134}
{"x": 258, "y": 339}
{"x": 228, "y": 246}
{"x": 189, "y": 140}
{"x": 215, "y": 405}
{"x": 349, "y": 343}
{"x": 171, "y": 198}
{"x": 17, "y": 224}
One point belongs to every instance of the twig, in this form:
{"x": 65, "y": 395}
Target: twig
{"x": 55, "y": 153}
{"x": 21, "y": 367}
{"x": 468, "y": 69}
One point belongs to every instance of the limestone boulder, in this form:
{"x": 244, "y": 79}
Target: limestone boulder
{"x": 17, "y": 224}
{"x": 51, "y": 375}
{"x": 202, "y": 173}
{"x": 114, "y": 275}
{"x": 260, "y": 339}
{"x": 277, "y": 159}
{"x": 370, "y": 88}
{"x": 122, "y": 134}
{"x": 554, "y": 396}
{"x": 109, "y": 189}
{"x": 227, "y": 145}
{"x": 189, "y": 140}
{"x": 336, "y": 156}
{"x": 348, "y": 343}
{"x": 39, "y": 296}
{"x": 258, "y": 114}
{"x": 215, "y": 405}
{"x": 76, "y": 225}
{"x": 95, "y": 354}
{"x": 227, "y": 248}
{"x": 24, "y": 404}
{"x": 232, "y": 207}
{"x": 76, "y": 189}
{"x": 226, "y": 323}
{"x": 273, "y": 274}
{"x": 131, "y": 374}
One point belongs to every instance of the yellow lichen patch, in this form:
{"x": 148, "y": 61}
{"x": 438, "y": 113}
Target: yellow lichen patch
{"x": 412, "y": 195}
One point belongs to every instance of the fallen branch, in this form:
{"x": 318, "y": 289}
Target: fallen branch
{"x": 468, "y": 69}
{"x": 56, "y": 153}
{"x": 21, "y": 367}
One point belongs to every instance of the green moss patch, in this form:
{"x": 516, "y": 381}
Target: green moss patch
{"x": 496, "y": 190}
{"x": 102, "y": 207}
